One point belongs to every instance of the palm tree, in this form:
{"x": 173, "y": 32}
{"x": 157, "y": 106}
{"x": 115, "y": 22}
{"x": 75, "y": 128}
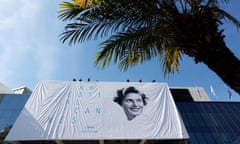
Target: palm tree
{"x": 166, "y": 29}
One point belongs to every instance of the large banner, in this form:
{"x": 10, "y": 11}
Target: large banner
{"x": 68, "y": 110}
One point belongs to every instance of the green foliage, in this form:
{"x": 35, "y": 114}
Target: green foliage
{"x": 140, "y": 30}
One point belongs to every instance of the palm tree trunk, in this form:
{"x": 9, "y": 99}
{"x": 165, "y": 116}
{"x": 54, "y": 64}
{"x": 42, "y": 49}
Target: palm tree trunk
{"x": 216, "y": 55}
{"x": 225, "y": 64}
{"x": 205, "y": 43}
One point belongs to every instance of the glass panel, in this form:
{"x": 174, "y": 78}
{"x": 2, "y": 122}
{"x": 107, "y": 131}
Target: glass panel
{"x": 211, "y": 122}
{"x": 10, "y": 107}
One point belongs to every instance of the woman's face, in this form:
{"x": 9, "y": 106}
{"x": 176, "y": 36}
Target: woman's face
{"x": 133, "y": 104}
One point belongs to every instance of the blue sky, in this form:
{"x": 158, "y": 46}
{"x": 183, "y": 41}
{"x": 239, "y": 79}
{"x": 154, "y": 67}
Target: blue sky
{"x": 30, "y": 50}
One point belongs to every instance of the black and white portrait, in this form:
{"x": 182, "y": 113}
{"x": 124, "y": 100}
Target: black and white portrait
{"x": 132, "y": 101}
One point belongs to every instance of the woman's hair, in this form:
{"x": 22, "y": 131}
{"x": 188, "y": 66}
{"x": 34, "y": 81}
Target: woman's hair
{"x": 122, "y": 93}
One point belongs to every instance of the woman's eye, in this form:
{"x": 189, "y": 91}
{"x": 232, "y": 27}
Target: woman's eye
{"x": 128, "y": 100}
{"x": 139, "y": 100}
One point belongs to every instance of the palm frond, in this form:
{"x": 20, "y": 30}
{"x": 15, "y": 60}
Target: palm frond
{"x": 84, "y": 4}
{"x": 68, "y": 10}
{"x": 171, "y": 62}
{"x": 142, "y": 30}
{"x": 127, "y": 49}
{"x": 223, "y": 14}
{"x": 89, "y": 26}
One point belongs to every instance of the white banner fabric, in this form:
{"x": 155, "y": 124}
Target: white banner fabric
{"x": 68, "y": 110}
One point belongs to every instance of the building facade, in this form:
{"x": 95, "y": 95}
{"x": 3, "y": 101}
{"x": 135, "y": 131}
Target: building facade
{"x": 11, "y": 104}
{"x": 205, "y": 121}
